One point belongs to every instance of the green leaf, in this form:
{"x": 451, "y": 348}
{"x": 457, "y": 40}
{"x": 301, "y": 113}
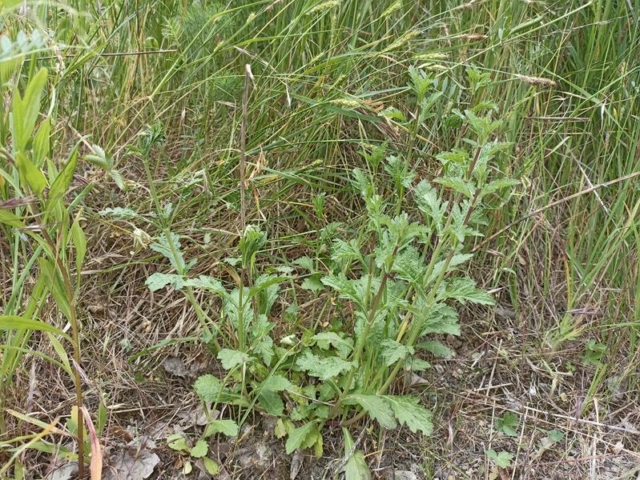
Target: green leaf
{"x": 455, "y": 261}
{"x": 42, "y": 143}
{"x": 62, "y": 354}
{"x": 170, "y": 249}
{"x": 323, "y": 368}
{"x": 80, "y": 244}
{"x": 206, "y": 282}
{"x": 436, "y": 348}
{"x": 275, "y": 383}
{"x": 280, "y": 430}
{"x": 430, "y": 204}
{"x": 208, "y": 388}
{"x": 264, "y": 349}
{"x": 99, "y": 158}
{"x": 392, "y": 113}
{"x": 399, "y": 171}
{"x": 26, "y": 110}
{"x": 440, "y": 318}
{"x": 271, "y": 402}
{"x": 232, "y": 358}
{"x": 120, "y": 212}
{"x": 177, "y": 442}
{"x": 457, "y": 185}
{"x": 30, "y": 174}
{"x": 502, "y": 459}
{"x": 393, "y": 351}
{"x": 252, "y": 240}
{"x": 344, "y": 346}
{"x": 457, "y": 156}
{"x": 102, "y": 415}
{"x": 342, "y": 251}
{"x": 210, "y": 466}
{"x": 312, "y": 283}
{"x": 160, "y": 280}
{"x": 200, "y": 449}
{"x": 344, "y": 286}
{"x": 356, "y": 467}
{"x": 409, "y": 413}
{"x": 306, "y": 263}
{"x": 211, "y": 389}
{"x": 56, "y": 286}
{"x": 62, "y": 182}
{"x": 508, "y": 424}
{"x": 499, "y": 184}
{"x": 265, "y": 289}
{"x": 556, "y": 435}
{"x": 465, "y": 290}
{"x": 376, "y": 407}
{"x": 318, "y": 447}
{"x": 418, "y": 365}
{"x": 302, "y": 437}
{"x": 118, "y": 179}
{"x": 10, "y": 219}
{"x": 226, "y": 427}
{"x": 14, "y": 322}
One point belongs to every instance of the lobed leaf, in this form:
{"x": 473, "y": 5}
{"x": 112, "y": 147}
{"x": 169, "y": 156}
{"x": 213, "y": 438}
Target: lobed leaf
{"x": 408, "y": 412}
{"x": 377, "y": 407}
{"x": 302, "y": 437}
{"x": 232, "y": 358}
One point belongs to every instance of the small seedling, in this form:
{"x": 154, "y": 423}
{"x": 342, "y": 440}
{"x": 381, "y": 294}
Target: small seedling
{"x": 198, "y": 451}
{"x": 501, "y": 459}
{"x": 508, "y": 424}
{"x": 593, "y": 353}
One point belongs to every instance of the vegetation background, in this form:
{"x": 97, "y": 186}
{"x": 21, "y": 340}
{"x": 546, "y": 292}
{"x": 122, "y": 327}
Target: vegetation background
{"x": 144, "y": 128}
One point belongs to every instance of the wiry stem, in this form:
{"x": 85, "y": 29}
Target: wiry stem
{"x": 75, "y": 335}
{"x": 243, "y": 146}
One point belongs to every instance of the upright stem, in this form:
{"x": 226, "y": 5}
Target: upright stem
{"x": 416, "y": 328}
{"x": 246, "y": 269}
{"x": 243, "y": 145}
{"x": 75, "y": 335}
{"x": 362, "y": 338}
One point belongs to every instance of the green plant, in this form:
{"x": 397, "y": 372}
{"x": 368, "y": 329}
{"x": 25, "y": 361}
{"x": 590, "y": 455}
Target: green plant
{"x": 508, "y": 424}
{"x": 500, "y": 459}
{"x": 400, "y": 276}
{"x": 47, "y": 242}
{"x": 566, "y": 79}
{"x": 593, "y": 353}
{"x": 198, "y": 451}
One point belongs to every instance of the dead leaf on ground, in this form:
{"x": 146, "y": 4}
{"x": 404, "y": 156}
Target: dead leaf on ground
{"x": 175, "y": 366}
{"x": 296, "y": 465}
{"x": 134, "y": 462}
{"x": 196, "y": 415}
{"x": 64, "y": 472}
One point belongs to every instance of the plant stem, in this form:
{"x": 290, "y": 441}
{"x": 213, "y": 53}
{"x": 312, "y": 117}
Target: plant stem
{"x": 416, "y": 328}
{"x": 362, "y": 338}
{"x": 75, "y": 335}
{"x": 243, "y": 146}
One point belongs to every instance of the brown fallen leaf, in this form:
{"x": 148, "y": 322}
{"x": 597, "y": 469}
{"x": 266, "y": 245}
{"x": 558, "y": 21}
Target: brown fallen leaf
{"x": 136, "y": 461}
{"x": 296, "y": 465}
